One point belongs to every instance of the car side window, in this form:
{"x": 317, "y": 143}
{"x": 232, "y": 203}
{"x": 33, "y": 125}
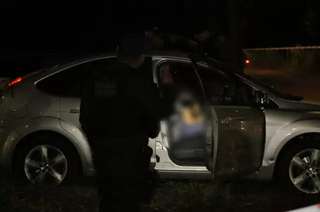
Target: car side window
{"x": 184, "y": 76}
{"x": 219, "y": 88}
{"x": 248, "y": 93}
{"x": 68, "y": 83}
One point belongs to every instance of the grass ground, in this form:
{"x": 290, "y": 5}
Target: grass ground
{"x": 170, "y": 196}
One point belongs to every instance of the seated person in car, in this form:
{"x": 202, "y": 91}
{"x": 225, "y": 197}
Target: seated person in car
{"x": 187, "y": 120}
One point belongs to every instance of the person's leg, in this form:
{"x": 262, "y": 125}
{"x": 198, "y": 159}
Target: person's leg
{"x": 101, "y": 160}
{"x": 125, "y": 195}
{"x": 106, "y": 197}
{"x": 121, "y": 189}
{"x": 149, "y": 178}
{"x": 119, "y": 172}
{"x": 121, "y": 195}
{"x": 129, "y": 187}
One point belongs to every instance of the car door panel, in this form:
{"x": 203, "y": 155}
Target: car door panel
{"x": 241, "y": 140}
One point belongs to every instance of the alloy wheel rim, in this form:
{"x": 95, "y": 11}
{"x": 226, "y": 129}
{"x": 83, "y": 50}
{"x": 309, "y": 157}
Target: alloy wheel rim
{"x": 304, "y": 171}
{"x": 45, "y": 165}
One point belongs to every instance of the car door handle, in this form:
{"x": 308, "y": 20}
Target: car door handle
{"x": 74, "y": 110}
{"x": 226, "y": 120}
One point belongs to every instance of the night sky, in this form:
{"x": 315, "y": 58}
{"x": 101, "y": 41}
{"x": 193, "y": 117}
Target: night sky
{"x": 277, "y": 23}
{"x": 269, "y": 23}
{"x": 92, "y": 28}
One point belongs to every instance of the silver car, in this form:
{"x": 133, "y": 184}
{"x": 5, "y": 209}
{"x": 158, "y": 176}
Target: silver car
{"x": 253, "y": 130}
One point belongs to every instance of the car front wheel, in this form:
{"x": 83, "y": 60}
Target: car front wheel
{"x": 299, "y": 167}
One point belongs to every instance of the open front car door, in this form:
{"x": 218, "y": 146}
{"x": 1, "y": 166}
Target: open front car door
{"x": 237, "y": 147}
{"x": 229, "y": 140}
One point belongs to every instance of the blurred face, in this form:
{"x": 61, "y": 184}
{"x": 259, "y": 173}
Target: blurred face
{"x": 173, "y": 38}
{"x": 157, "y": 42}
{"x": 202, "y": 36}
{"x": 196, "y": 110}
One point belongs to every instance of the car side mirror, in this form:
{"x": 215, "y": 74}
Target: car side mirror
{"x": 261, "y": 98}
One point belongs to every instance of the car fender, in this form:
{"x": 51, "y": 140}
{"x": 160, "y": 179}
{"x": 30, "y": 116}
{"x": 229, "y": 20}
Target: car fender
{"x": 80, "y": 140}
{"x": 32, "y": 126}
{"x": 287, "y": 133}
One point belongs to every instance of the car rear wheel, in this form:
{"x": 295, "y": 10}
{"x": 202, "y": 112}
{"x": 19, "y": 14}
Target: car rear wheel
{"x": 45, "y": 161}
{"x": 299, "y": 167}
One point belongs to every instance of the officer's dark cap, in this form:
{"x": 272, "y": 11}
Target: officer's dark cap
{"x": 133, "y": 45}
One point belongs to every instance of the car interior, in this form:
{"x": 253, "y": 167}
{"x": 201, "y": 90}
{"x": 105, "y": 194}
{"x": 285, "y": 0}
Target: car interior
{"x": 186, "y": 134}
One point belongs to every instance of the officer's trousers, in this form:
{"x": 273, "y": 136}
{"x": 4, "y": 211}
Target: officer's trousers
{"x": 150, "y": 178}
{"x": 120, "y": 169}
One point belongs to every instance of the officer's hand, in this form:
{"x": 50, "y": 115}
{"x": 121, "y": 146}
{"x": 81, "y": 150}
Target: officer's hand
{"x": 167, "y": 76}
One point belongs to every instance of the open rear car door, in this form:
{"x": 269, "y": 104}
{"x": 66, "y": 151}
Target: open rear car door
{"x": 230, "y": 141}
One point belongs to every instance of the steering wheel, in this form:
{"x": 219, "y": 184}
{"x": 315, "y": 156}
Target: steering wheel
{"x": 224, "y": 94}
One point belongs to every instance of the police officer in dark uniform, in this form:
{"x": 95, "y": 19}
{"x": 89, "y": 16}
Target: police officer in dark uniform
{"x": 174, "y": 41}
{"x": 119, "y": 112}
{"x": 214, "y": 45}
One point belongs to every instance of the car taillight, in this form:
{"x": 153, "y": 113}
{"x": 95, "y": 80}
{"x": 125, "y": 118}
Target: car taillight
{"x": 15, "y": 81}
{"x": 247, "y": 61}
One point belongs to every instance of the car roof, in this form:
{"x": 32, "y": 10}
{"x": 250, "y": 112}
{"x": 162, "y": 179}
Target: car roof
{"x": 175, "y": 54}
{"x": 72, "y": 60}
{"x": 170, "y": 54}
{"x": 164, "y": 54}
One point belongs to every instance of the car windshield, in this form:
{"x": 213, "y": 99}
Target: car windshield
{"x": 272, "y": 89}
{"x": 224, "y": 68}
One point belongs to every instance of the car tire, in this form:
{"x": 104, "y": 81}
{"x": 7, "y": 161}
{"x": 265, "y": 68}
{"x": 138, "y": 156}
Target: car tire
{"x": 282, "y": 170}
{"x": 54, "y": 143}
